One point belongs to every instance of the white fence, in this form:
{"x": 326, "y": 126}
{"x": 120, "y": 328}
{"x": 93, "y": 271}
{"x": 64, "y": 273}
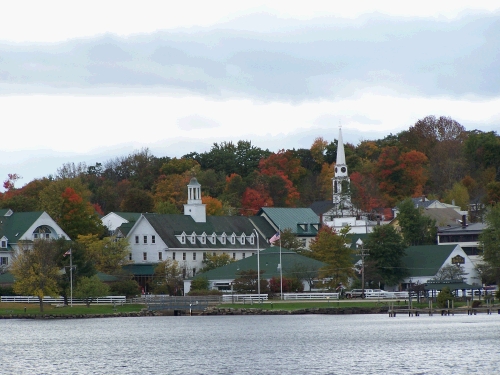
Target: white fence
{"x": 296, "y": 296}
{"x": 244, "y": 297}
{"x": 60, "y": 300}
{"x": 387, "y": 295}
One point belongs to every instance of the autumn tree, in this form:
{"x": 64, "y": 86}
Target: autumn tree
{"x": 137, "y": 200}
{"x": 253, "y": 200}
{"x": 246, "y": 282}
{"x": 213, "y": 206}
{"x": 35, "y": 270}
{"x": 490, "y": 240}
{"x": 458, "y": 195}
{"x": 330, "y": 247}
{"x": 387, "y": 251}
{"x": 318, "y": 149}
{"x": 77, "y": 216}
{"x": 416, "y": 228}
{"x": 109, "y": 254}
{"x": 172, "y": 189}
{"x": 451, "y": 272}
{"x": 213, "y": 261}
{"x": 89, "y": 288}
{"x": 290, "y": 241}
{"x": 168, "y": 278}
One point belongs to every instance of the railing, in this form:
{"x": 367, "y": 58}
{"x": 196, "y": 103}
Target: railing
{"x": 60, "y": 300}
{"x": 295, "y": 296}
{"x": 387, "y": 295}
{"x": 244, "y": 297}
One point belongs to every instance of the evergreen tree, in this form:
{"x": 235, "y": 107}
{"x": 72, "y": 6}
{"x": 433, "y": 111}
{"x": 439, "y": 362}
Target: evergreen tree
{"x": 416, "y": 228}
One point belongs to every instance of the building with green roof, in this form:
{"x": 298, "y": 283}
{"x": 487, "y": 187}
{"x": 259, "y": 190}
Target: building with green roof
{"x": 269, "y": 261}
{"x": 26, "y": 227}
{"x": 114, "y": 219}
{"x": 303, "y": 222}
{"x": 424, "y": 262}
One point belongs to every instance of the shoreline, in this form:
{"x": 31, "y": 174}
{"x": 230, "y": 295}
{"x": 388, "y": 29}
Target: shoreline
{"x": 211, "y": 311}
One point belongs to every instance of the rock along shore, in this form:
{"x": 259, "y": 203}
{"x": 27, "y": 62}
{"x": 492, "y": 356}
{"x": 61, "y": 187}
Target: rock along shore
{"x": 209, "y": 311}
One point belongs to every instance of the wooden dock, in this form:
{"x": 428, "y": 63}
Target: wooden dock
{"x": 443, "y": 311}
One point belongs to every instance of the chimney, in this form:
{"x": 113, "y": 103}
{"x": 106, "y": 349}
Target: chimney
{"x": 423, "y": 198}
{"x": 464, "y": 221}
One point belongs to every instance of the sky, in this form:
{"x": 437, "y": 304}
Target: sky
{"x": 91, "y": 81}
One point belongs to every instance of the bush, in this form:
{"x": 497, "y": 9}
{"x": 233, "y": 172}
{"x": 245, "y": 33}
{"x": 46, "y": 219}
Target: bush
{"x": 128, "y": 288}
{"x": 444, "y": 296}
{"x": 476, "y": 303}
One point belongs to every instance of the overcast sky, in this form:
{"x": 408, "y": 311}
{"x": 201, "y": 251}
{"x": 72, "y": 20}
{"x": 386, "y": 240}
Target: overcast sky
{"x": 97, "y": 80}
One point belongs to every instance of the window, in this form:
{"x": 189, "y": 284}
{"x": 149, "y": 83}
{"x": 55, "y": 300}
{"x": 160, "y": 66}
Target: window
{"x": 194, "y": 255}
{"x": 129, "y": 256}
{"x": 136, "y": 239}
{"x": 243, "y": 256}
{"x": 153, "y": 239}
{"x": 4, "y": 244}
{"x": 184, "y": 273}
{"x": 183, "y": 256}
{"x": 173, "y": 255}
{"x": 234, "y": 255}
{"x": 252, "y": 239}
{"x": 4, "y": 261}
{"x": 160, "y": 255}
{"x": 194, "y": 272}
{"x": 145, "y": 239}
{"x": 35, "y": 235}
{"x": 204, "y": 256}
{"x": 144, "y": 256}
{"x": 183, "y": 239}
{"x": 233, "y": 239}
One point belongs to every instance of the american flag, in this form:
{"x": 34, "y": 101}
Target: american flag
{"x": 275, "y": 238}
{"x": 67, "y": 252}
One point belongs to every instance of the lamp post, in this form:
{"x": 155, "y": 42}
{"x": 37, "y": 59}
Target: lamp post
{"x": 258, "y": 264}
{"x": 362, "y": 252}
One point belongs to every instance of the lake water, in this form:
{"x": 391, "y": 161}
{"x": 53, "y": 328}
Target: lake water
{"x": 297, "y": 344}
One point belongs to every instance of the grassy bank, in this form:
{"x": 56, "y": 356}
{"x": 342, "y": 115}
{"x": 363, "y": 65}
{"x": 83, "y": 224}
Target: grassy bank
{"x": 33, "y": 308}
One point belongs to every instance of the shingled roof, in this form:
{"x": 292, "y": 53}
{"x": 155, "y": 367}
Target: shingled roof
{"x": 15, "y": 225}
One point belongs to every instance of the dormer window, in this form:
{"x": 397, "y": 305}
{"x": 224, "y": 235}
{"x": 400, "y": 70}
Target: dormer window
{"x": 192, "y": 238}
{"x": 3, "y": 244}
{"x": 183, "y": 239}
{"x": 233, "y": 239}
{"x": 212, "y": 238}
{"x": 252, "y": 239}
{"x": 242, "y": 239}
{"x": 223, "y": 239}
{"x": 203, "y": 238}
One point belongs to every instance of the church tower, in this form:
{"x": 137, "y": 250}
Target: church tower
{"x": 341, "y": 181}
{"x": 194, "y": 207}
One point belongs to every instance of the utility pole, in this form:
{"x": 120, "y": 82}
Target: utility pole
{"x": 362, "y": 252}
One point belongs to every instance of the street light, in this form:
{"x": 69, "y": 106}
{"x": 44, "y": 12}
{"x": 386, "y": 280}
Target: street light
{"x": 362, "y": 252}
{"x": 258, "y": 264}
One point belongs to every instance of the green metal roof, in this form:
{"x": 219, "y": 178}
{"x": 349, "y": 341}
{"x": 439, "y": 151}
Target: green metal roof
{"x": 452, "y": 284}
{"x": 129, "y": 216}
{"x": 15, "y": 225}
{"x": 293, "y": 219}
{"x": 269, "y": 261}
{"x": 167, "y": 226}
{"x": 426, "y": 260}
{"x": 106, "y": 278}
{"x": 138, "y": 269}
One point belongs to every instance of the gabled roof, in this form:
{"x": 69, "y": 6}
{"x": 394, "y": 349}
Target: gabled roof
{"x": 168, "y": 225}
{"x": 14, "y": 226}
{"x": 129, "y": 216}
{"x": 321, "y": 207}
{"x": 269, "y": 261}
{"x": 426, "y": 260}
{"x": 443, "y": 216}
{"x": 292, "y": 218}
{"x": 263, "y": 226}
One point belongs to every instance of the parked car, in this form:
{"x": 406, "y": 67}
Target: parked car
{"x": 357, "y": 293}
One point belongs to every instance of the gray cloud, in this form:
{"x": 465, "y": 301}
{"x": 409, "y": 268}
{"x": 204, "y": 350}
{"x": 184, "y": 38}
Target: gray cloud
{"x": 194, "y": 122}
{"x": 291, "y": 61}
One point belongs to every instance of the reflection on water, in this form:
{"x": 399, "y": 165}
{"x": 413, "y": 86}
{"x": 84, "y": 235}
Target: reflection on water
{"x": 302, "y": 344}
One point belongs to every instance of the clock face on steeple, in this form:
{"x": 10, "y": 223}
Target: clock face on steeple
{"x": 343, "y": 169}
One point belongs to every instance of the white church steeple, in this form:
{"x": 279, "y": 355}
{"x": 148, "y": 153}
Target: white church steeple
{"x": 194, "y": 207}
{"x": 341, "y": 181}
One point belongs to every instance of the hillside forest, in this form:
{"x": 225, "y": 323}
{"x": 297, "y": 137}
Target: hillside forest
{"x": 436, "y": 157}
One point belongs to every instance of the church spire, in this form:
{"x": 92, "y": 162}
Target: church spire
{"x": 341, "y": 182}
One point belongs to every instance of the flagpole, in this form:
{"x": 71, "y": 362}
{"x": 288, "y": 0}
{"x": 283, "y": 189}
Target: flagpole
{"x": 258, "y": 264}
{"x": 281, "y": 267}
{"x": 71, "y": 275}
